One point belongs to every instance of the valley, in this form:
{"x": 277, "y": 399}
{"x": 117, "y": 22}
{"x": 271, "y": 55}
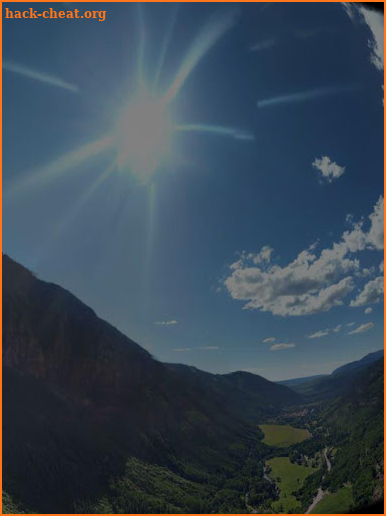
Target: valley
{"x": 112, "y": 430}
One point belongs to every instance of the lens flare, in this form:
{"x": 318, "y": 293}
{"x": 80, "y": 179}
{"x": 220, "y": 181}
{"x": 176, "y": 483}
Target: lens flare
{"x": 142, "y": 132}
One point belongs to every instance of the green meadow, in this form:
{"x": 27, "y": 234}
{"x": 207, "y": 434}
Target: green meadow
{"x": 283, "y": 435}
{"x": 289, "y": 478}
{"x": 335, "y": 503}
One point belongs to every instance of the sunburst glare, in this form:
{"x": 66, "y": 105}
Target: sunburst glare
{"x": 142, "y": 131}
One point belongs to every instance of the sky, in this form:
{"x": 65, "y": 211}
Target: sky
{"x": 207, "y": 177}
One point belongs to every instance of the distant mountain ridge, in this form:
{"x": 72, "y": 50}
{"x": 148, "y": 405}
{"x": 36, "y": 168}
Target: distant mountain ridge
{"x": 350, "y": 366}
{"x": 358, "y": 364}
{"x": 297, "y": 381}
{"x": 339, "y": 381}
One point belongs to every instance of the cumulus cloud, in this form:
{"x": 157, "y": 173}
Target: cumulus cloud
{"x": 166, "y": 323}
{"x": 319, "y": 334}
{"x": 277, "y": 347}
{"x": 264, "y": 256}
{"x": 368, "y": 310}
{"x": 375, "y": 236}
{"x": 328, "y": 168}
{"x": 371, "y": 293}
{"x": 312, "y": 282}
{"x": 269, "y": 339}
{"x": 362, "y": 328}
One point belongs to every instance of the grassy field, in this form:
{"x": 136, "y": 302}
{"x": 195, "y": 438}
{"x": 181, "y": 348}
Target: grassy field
{"x": 291, "y": 478}
{"x": 335, "y": 503}
{"x": 283, "y": 435}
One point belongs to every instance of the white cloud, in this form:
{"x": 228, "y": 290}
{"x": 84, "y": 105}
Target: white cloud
{"x": 368, "y": 310}
{"x": 264, "y": 256}
{"x": 277, "y": 347}
{"x": 371, "y": 293}
{"x": 318, "y": 334}
{"x": 329, "y": 169}
{"x": 350, "y": 324}
{"x": 204, "y": 348}
{"x": 181, "y": 349}
{"x": 166, "y": 323}
{"x": 362, "y": 328}
{"x": 350, "y": 10}
{"x": 381, "y": 266}
{"x": 375, "y": 236}
{"x": 375, "y": 23}
{"x": 337, "y": 328}
{"x": 311, "y": 283}
{"x": 269, "y": 339}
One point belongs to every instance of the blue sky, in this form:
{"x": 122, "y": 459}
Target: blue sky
{"x": 271, "y": 228}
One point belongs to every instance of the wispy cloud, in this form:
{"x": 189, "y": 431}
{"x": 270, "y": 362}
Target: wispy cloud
{"x": 38, "y": 76}
{"x": 307, "y": 95}
{"x": 166, "y": 323}
{"x": 375, "y": 22}
{"x": 362, "y": 328}
{"x": 205, "y": 348}
{"x": 269, "y": 339}
{"x": 337, "y": 328}
{"x": 277, "y": 347}
{"x": 318, "y": 334}
{"x": 328, "y": 168}
{"x": 263, "y": 45}
{"x": 182, "y": 349}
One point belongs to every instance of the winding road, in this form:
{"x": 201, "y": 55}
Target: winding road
{"x": 319, "y": 495}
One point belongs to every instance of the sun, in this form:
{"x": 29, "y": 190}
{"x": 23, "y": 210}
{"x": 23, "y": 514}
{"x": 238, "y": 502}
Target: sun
{"x": 143, "y": 137}
{"x": 140, "y": 134}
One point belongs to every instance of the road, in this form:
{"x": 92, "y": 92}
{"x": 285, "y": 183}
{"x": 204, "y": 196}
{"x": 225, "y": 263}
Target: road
{"x": 320, "y": 493}
{"x": 316, "y": 500}
{"x": 327, "y": 459}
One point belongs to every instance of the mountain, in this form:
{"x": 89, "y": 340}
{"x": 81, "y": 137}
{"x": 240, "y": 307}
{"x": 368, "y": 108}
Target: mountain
{"x": 338, "y": 382}
{"x": 351, "y": 366}
{"x": 251, "y": 396}
{"x": 83, "y": 405}
{"x": 356, "y": 423}
{"x": 352, "y": 435}
{"x": 358, "y": 364}
{"x": 297, "y": 381}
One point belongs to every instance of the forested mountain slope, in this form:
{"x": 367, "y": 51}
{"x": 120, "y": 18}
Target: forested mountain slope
{"x": 93, "y": 398}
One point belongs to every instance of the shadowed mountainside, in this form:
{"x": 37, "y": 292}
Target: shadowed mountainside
{"x": 92, "y": 398}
